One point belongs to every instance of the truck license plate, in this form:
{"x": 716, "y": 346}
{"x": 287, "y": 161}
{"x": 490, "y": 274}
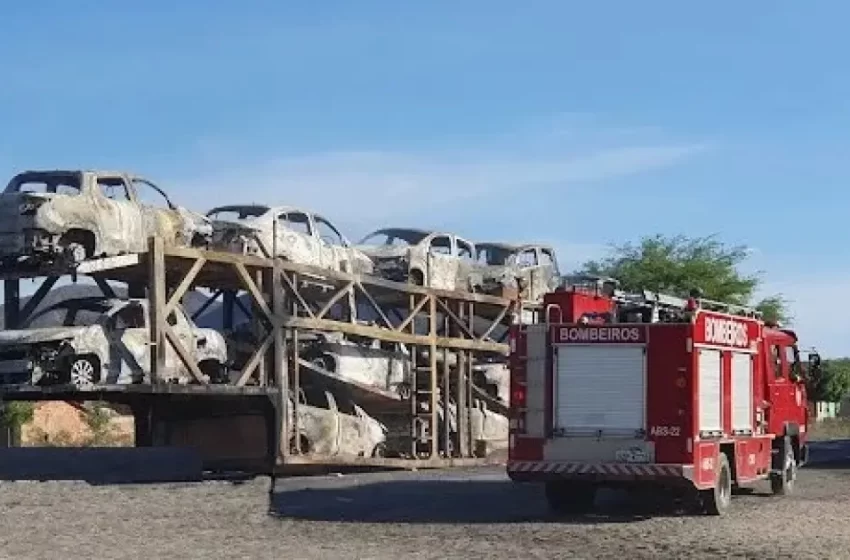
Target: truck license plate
{"x": 632, "y": 455}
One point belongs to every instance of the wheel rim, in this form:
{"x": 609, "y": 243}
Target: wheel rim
{"x": 725, "y": 486}
{"x": 790, "y": 468}
{"x": 82, "y": 372}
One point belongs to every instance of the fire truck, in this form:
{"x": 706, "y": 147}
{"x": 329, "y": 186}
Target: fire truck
{"x": 633, "y": 390}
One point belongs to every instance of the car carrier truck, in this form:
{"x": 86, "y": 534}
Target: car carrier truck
{"x": 616, "y": 389}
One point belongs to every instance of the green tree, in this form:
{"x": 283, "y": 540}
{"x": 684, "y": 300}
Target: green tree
{"x": 678, "y": 264}
{"x": 17, "y": 413}
{"x": 831, "y": 383}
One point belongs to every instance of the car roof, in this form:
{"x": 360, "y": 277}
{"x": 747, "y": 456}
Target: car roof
{"x": 510, "y": 246}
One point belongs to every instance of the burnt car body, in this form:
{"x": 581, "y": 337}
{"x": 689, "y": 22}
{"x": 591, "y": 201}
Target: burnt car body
{"x": 494, "y": 379}
{"x": 99, "y": 340}
{"x": 293, "y": 234}
{"x": 329, "y": 425}
{"x": 74, "y": 215}
{"x": 435, "y": 259}
{"x": 536, "y": 265}
{"x": 489, "y": 430}
{"x": 384, "y": 365}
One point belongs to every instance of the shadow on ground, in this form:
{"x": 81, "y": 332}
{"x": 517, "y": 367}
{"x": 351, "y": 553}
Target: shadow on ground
{"x": 101, "y": 465}
{"x": 829, "y": 455}
{"x": 456, "y": 501}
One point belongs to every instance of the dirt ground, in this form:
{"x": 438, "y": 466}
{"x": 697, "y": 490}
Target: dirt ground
{"x": 449, "y": 514}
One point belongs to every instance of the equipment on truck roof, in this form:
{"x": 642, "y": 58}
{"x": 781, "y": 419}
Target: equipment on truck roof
{"x": 633, "y": 389}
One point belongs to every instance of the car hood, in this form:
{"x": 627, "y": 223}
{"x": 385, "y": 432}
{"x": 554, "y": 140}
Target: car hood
{"x": 46, "y": 334}
{"x": 232, "y": 225}
{"x": 201, "y": 223}
{"x": 383, "y": 252}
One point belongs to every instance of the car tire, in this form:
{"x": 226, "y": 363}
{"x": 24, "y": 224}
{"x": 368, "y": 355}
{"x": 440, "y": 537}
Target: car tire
{"x": 718, "y": 499}
{"x": 83, "y": 371}
{"x": 379, "y": 451}
{"x": 216, "y": 371}
{"x": 325, "y": 362}
{"x": 75, "y": 252}
{"x": 782, "y": 484}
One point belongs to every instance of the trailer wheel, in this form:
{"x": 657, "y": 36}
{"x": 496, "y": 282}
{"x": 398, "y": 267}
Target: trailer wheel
{"x": 568, "y": 497}
{"x": 782, "y": 483}
{"x": 717, "y": 500}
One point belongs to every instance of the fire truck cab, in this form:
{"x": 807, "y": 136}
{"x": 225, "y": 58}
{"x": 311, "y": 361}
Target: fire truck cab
{"x": 616, "y": 389}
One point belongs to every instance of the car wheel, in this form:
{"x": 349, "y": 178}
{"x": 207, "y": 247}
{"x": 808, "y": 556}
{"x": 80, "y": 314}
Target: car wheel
{"x": 83, "y": 371}
{"x": 75, "y": 252}
{"x": 325, "y": 362}
{"x": 379, "y": 451}
{"x": 216, "y": 371}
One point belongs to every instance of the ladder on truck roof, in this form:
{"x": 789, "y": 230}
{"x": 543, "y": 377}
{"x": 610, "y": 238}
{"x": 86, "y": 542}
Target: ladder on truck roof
{"x": 647, "y": 299}
{"x": 663, "y": 302}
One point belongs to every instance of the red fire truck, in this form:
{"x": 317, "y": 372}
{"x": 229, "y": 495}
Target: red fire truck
{"x": 617, "y": 389}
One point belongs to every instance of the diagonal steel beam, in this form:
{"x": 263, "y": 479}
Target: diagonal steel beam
{"x": 460, "y": 323}
{"x": 184, "y": 284}
{"x": 334, "y": 300}
{"x": 414, "y": 312}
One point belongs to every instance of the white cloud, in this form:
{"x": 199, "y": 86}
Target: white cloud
{"x": 380, "y": 186}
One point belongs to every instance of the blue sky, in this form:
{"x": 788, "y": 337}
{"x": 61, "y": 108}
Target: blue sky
{"x": 572, "y": 124}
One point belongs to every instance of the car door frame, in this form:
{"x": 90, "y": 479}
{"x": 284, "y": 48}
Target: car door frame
{"x": 152, "y": 215}
{"x": 531, "y": 272}
{"x": 123, "y": 229}
{"x": 441, "y": 269}
{"x": 302, "y": 246}
{"x": 333, "y": 257}
{"x": 120, "y": 352}
{"x": 464, "y": 268}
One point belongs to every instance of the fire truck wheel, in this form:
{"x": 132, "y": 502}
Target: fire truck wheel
{"x": 783, "y": 483}
{"x": 566, "y": 497}
{"x": 717, "y": 500}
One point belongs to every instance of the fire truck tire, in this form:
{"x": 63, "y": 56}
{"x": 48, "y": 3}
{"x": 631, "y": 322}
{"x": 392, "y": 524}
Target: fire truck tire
{"x": 782, "y": 483}
{"x": 568, "y": 497}
{"x": 717, "y": 500}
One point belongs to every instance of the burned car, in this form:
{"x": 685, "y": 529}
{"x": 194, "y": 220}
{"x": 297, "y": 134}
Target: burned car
{"x": 536, "y": 265}
{"x": 494, "y": 379}
{"x": 296, "y": 235}
{"x": 99, "y": 340}
{"x": 330, "y": 425}
{"x": 438, "y": 260}
{"x": 489, "y": 430}
{"x": 75, "y": 215}
{"x": 384, "y": 365}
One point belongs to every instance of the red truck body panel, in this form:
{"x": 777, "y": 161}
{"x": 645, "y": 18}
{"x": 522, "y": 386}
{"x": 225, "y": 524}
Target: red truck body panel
{"x": 649, "y": 401}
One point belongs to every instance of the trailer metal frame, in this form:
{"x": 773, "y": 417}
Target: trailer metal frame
{"x": 287, "y": 300}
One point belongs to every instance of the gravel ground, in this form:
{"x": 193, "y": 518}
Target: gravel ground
{"x": 468, "y": 514}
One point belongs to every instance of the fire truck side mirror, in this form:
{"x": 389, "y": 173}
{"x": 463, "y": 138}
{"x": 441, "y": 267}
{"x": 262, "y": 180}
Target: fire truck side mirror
{"x": 814, "y": 361}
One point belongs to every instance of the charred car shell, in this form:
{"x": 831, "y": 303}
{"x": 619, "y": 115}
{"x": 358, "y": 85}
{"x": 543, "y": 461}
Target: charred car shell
{"x": 383, "y": 365}
{"x": 435, "y": 259}
{"x": 330, "y": 425}
{"x": 98, "y": 340}
{"x": 535, "y": 264}
{"x": 296, "y": 235}
{"x": 74, "y": 215}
